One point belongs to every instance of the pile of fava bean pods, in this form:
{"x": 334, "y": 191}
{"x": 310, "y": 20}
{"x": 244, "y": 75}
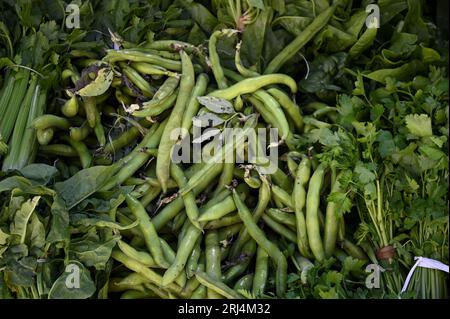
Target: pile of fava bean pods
{"x": 207, "y": 229}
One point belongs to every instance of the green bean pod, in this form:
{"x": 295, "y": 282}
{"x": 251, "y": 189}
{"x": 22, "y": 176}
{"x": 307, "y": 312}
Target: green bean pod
{"x": 90, "y": 107}
{"x": 167, "y": 88}
{"x": 151, "y": 275}
{"x": 70, "y": 108}
{"x": 228, "y": 220}
{"x": 281, "y": 195}
{"x": 221, "y": 209}
{"x": 332, "y": 222}
{"x": 132, "y": 162}
{"x": 225, "y": 233}
{"x": 125, "y": 139}
{"x": 279, "y": 228}
{"x": 189, "y": 199}
{"x": 282, "y": 217}
{"x": 304, "y": 37}
{"x": 251, "y": 85}
{"x": 193, "y": 259}
{"x": 275, "y": 112}
{"x": 148, "y": 230}
{"x": 244, "y": 71}
{"x": 122, "y": 98}
{"x": 192, "y": 284}
{"x": 218, "y": 159}
{"x": 174, "y": 122}
{"x": 82, "y": 150}
{"x": 213, "y": 268}
{"x": 157, "y": 291}
{"x": 148, "y": 197}
{"x": 184, "y": 250}
{"x": 171, "y": 45}
{"x": 136, "y": 294}
{"x": 156, "y": 107}
{"x": 48, "y": 120}
{"x": 364, "y": 42}
{"x": 299, "y": 200}
{"x": 244, "y": 283}
{"x": 199, "y": 293}
{"x": 263, "y": 201}
{"x": 226, "y": 177}
{"x": 243, "y": 261}
{"x": 289, "y": 106}
{"x": 219, "y": 288}
{"x": 178, "y": 222}
{"x": 312, "y": 214}
{"x": 175, "y": 206}
{"x": 164, "y": 54}
{"x": 193, "y": 105}
{"x": 292, "y": 166}
{"x": 79, "y": 133}
{"x": 142, "y": 256}
{"x": 44, "y": 136}
{"x": 272, "y": 250}
{"x": 59, "y": 150}
{"x": 100, "y": 133}
{"x": 137, "y": 80}
{"x": 353, "y": 250}
{"x": 215, "y": 59}
{"x": 113, "y": 56}
{"x": 151, "y": 69}
{"x": 281, "y": 179}
{"x": 252, "y": 181}
{"x": 261, "y": 272}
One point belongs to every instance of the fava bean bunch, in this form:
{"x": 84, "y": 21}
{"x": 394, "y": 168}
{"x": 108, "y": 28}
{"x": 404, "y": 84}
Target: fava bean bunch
{"x": 209, "y": 229}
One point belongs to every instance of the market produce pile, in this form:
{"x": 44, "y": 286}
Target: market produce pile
{"x": 94, "y": 204}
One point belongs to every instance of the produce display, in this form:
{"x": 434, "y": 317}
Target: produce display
{"x": 235, "y": 149}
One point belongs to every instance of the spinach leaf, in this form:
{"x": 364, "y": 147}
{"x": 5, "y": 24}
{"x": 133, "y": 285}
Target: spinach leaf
{"x": 59, "y": 224}
{"x": 42, "y": 174}
{"x": 83, "y": 184}
{"x": 404, "y": 72}
{"x": 21, "y": 218}
{"x": 25, "y": 185}
{"x": 293, "y": 24}
{"x": 253, "y": 39}
{"x": 74, "y": 283}
{"x": 202, "y": 16}
{"x": 92, "y": 251}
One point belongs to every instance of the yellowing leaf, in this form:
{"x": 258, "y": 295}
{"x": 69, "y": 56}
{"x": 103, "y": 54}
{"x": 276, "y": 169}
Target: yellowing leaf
{"x": 3, "y": 237}
{"x": 22, "y": 217}
{"x": 100, "y": 85}
{"x": 419, "y": 125}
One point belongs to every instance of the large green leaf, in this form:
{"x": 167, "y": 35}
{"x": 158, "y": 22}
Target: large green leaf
{"x": 59, "y": 224}
{"x": 91, "y": 251}
{"x": 25, "y": 185}
{"x": 74, "y": 283}
{"x": 253, "y": 39}
{"x": 404, "y": 72}
{"x": 35, "y": 233}
{"x": 83, "y": 184}
{"x": 91, "y": 220}
{"x": 293, "y": 24}
{"x": 100, "y": 85}
{"x": 40, "y": 173}
{"x": 202, "y": 16}
{"x": 22, "y": 216}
